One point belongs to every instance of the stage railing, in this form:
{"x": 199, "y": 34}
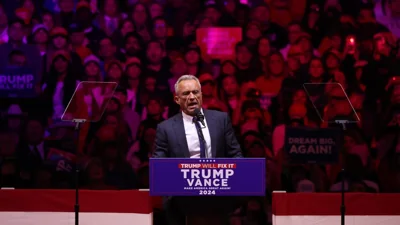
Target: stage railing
{"x": 49, "y": 207}
{"x": 324, "y": 208}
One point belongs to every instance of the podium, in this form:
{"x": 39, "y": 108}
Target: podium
{"x": 206, "y": 188}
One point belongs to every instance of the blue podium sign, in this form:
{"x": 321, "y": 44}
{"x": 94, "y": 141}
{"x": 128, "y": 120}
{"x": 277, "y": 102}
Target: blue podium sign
{"x": 215, "y": 177}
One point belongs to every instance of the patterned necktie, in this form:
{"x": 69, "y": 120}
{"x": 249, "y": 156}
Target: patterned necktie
{"x": 202, "y": 141}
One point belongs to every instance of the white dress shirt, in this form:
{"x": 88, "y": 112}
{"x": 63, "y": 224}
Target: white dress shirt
{"x": 40, "y": 148}
{"x": 192, "y": 137}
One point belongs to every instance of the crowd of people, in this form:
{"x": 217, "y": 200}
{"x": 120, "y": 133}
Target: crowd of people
{"x": 343, "y": 50}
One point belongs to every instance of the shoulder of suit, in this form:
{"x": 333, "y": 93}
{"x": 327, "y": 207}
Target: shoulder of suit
{"x": 168, "y": 122}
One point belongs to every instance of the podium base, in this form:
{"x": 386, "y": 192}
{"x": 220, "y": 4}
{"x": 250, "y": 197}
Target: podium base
{"x": 208, "y": 220}
{"x": 198, "y": 209}
{"x": 207, "y": 205}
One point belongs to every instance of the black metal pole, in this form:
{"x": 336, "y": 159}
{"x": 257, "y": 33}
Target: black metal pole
{"x": 76, "y": 207}
{"x": 76, "y": 196}
{"x": 343, "y": 206}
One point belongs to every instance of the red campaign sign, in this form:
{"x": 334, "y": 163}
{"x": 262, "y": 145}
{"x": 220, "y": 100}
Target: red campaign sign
{"x": 63, "y": 160}
{"x": 218, "y": 43}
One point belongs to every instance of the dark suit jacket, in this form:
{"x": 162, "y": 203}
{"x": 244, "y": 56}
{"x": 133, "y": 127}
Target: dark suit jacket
{"x": 27, "y": 159}
{"x": 171, "y": 138}
{"x": 171, "y": 143}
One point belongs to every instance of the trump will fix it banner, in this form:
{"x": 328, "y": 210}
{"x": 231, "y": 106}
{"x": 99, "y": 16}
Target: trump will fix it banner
{"x": 218, "y": 43}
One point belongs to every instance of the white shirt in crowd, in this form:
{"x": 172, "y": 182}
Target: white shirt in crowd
{"x": 131, "y": 97}
{"x": 40, "y": 149}
{"x": 192, "y": 137}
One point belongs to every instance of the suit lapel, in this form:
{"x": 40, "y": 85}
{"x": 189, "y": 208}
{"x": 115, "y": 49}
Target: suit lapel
{"x": 179, "y": 130}
{"x": 212, "y": 130}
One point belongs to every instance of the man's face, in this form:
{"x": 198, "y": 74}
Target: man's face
{"x": 243, "y": 55}
{"x": 207, "y": 87}
{"x": 77, "y": 38}
{"x": 59, "y": 42}
{"x": 132, "y": 45}
{"x": 34, "y": 132}
{"x": 179, "y": 68}
{"x": 139, "y": 14}
{"x": 156, "y": 10}
{"x": 252, "y": 114}
{"x": 110, "y": 7}
{"x": 294, "y": 33}
{"x": 16, "y": 32}
{"x": 365, "y": 16}
{"x": 107, "y": 49}
{"x": 261, "y": 14}
{"x": 213, "y": 14}
{"x": 192, "y": 57}
{"x": 112, "y": 106}
{"x": 160, "y": 29}
{"x": 150, "y": 84}
{"x": 189, "y": 96}
{"x": 154, "y": 52}
{"x": 61, "y": 65}
{"x": 48, "y": 21}
{"x": 153, "y": 108}
{"x": 41, "y": 36}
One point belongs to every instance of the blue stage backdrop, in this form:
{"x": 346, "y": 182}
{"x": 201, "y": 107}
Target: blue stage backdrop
{"x": 216, "y": 177}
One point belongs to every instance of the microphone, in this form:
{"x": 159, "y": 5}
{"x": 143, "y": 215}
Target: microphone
{"x": 199, "y": 116}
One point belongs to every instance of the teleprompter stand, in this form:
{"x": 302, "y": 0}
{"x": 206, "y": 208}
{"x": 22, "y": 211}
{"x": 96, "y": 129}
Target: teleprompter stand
{"x": 79, "y": 112}
{"x": 342, "y": 192}
{"x": 78, "y": 123}
{"x": 334, "y": 90}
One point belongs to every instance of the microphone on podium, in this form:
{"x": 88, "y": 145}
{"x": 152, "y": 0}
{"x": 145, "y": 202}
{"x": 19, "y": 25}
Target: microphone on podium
{"x": 199, "y": 116}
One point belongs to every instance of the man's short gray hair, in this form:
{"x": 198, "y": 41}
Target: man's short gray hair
{"x": 185, "y": 77}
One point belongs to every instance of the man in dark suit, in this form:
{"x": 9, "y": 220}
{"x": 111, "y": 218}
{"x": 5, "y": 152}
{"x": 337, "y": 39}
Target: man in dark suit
{"x": 32, "y": 150}
{"x": 182, "y": 136}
